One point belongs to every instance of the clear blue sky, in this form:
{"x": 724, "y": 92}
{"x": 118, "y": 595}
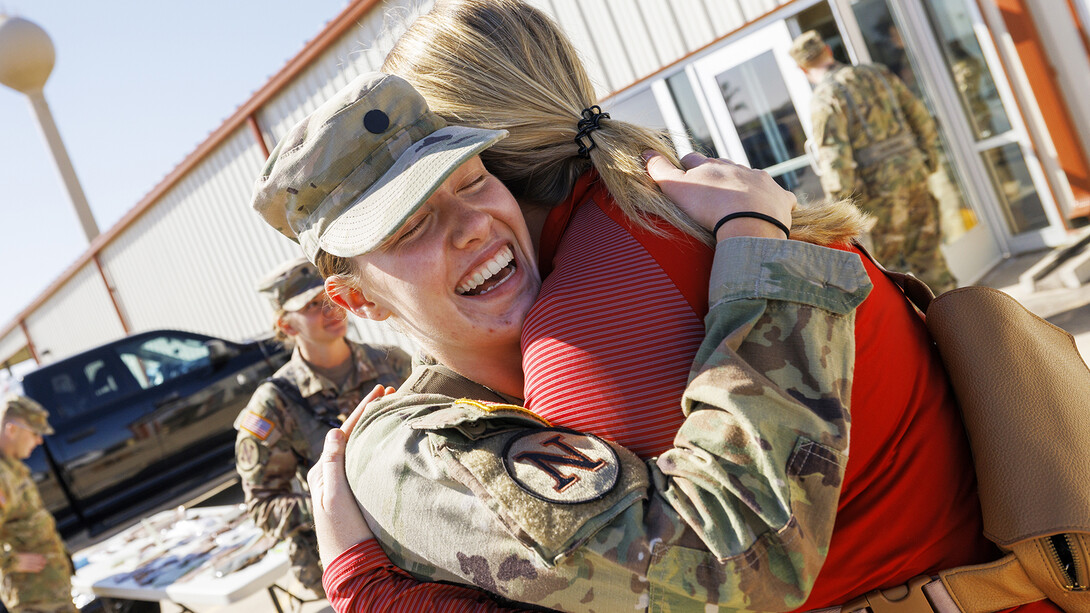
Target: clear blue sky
{"x": 137, "y": 85}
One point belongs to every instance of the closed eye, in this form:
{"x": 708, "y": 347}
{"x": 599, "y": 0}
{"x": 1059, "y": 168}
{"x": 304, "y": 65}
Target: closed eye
{"x": 418, "y": 224}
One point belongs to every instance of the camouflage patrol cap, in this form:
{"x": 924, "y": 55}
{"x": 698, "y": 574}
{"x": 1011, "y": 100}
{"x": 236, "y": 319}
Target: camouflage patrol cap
{"x": 346, "y": 177}
{"x": 292, "y": 285}
{"x": 27, "y": 411}
{"x": 807, "y": 47}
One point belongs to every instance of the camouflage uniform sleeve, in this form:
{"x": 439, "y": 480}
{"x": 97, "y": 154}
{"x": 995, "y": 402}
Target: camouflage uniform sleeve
{"x": 737, "y": 516}
{"x": 7, "y": 556}
{"x": 268, "y": 465}
{"x": 835, "y": 163}
{"x": 918, "y": 118}
{"x": 758, "y": 463}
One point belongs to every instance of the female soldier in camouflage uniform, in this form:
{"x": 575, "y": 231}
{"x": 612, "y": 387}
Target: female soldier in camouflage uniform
{"x": 280, "y": 431}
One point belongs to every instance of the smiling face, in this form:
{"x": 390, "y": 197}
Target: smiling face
{"x": 459, "y": 275}
{"x": 318, "y": 323}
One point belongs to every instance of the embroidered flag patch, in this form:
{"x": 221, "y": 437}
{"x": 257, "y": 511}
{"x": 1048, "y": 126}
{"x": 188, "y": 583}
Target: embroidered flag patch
{"x": 256, "y": 425}
{"x": 562, "y": 466}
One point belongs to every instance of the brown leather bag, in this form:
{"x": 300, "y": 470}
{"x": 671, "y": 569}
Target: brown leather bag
{"x": 1024, "y": 394}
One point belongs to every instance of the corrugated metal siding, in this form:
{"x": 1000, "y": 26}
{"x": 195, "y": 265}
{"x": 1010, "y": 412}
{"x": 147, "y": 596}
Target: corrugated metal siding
{"x": 360, "y": 50}
{"x": 193, "y": 260}
{"x": 78, "y": 316}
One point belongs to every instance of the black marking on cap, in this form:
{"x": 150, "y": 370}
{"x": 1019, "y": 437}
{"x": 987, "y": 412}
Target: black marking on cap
{"x": 314, "y": 186}
{"x": 293, "y": 191}
{"x": 376, "y": 121}
{"x": 431, "y": 140}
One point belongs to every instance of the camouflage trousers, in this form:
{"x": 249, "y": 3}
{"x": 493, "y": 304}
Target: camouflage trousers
{"x": 906, "y": 234}
{"x": 305, "y": 564}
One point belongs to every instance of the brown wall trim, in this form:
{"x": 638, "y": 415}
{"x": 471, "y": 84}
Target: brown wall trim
{"x": 259, "y": 136}
{"x": 113, "y": 294}
{"x": 29, "y": 342}
{"x": 314, "y": 48}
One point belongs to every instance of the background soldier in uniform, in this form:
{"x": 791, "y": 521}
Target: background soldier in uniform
{"x": 877, "y": 143}
{"x": 34, "y": 567}
{"x": 281, "y": 430}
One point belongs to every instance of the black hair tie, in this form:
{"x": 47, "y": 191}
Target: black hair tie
{"x": 754, "y": 214}
{"x": 589, "y": 123}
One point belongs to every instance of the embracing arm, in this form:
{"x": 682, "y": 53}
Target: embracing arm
{"x": 357, "y": 575}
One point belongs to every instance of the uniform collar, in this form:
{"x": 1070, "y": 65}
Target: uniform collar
{"x": 312, "y": 383}
{"x": 438, "y": 379}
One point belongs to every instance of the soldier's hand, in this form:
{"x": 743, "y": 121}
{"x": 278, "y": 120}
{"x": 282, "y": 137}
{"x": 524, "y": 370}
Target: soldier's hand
{"x": 29, "y": 562}
{"x": 708, "y": 189}
{"x": 350, "y": 423}
{"x": 338, "y": 521}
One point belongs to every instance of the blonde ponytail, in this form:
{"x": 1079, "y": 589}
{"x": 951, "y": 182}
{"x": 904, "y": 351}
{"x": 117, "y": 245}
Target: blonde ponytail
{"x": 503, "y": 64}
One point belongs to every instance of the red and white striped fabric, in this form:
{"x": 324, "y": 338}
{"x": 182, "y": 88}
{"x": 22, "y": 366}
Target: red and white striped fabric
{"x": 608, "y": 346}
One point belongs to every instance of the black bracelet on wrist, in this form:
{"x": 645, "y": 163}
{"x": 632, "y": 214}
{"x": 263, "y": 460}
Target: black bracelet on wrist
{"x": 754, "y": 214}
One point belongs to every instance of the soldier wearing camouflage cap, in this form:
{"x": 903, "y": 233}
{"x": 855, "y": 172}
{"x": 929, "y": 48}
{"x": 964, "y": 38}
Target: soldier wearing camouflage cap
{"x": 877, "y": 144}
{"x": 35, "y": 574}
{"x": 281, "y": 429}
{"x": 465, "y": 486}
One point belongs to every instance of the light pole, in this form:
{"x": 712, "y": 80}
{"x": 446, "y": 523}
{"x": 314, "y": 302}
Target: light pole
{"x": 26, "y": 59}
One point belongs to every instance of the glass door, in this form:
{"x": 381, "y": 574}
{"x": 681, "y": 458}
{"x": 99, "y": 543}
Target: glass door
{"x": 754, "y": 94}
{"x": 946, "y": 43}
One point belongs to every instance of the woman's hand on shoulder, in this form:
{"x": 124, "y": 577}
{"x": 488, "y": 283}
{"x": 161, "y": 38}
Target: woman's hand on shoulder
{"x": 338, "y": 521}
{"x": 709, "y": 189}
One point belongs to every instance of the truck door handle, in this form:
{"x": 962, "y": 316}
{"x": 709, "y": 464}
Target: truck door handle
{"x": 169, "y": 398}
{"x": 81, "y": 435}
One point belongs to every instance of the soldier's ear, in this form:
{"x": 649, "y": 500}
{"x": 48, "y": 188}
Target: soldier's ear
{"x": 351, "y": 298}
{"x": 284, "y": 323}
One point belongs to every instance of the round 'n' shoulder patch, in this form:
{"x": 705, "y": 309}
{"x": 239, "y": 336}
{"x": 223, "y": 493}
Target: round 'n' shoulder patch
{"x": 562, "y": 466}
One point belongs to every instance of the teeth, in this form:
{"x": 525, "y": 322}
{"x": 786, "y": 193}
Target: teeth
{"x": 486, "y": 270}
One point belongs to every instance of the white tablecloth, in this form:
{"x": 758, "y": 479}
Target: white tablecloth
{"x": 174, "y": 556}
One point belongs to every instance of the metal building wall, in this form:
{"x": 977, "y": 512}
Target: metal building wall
{"x": 77, "y": 317}
{"x": 192, "y": 261}
{"x": 360, "y": 50}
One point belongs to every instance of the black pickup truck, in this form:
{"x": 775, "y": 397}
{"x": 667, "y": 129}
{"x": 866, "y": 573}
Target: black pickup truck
{"x": 141, "y": 421}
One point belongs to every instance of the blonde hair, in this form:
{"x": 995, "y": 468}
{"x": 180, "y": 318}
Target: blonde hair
{"x": 503, "y": 64}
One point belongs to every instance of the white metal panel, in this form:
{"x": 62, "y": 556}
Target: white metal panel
{"x": 694, "y": 23}
{"x": 752, "y": 9}
{"x": 664, "y": 28}
{"x": 78, "y": 316}
{"x": 634, "y": 34}
{"x": 193, "y": 260}
{"x": 358, "y": 51}
{"x": 12, "y": 343}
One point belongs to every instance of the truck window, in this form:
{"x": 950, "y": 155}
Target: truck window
{"x": 158, "y": 359}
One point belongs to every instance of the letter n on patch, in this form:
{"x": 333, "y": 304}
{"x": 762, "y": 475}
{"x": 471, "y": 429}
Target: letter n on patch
{"x": 562, "y": 466}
